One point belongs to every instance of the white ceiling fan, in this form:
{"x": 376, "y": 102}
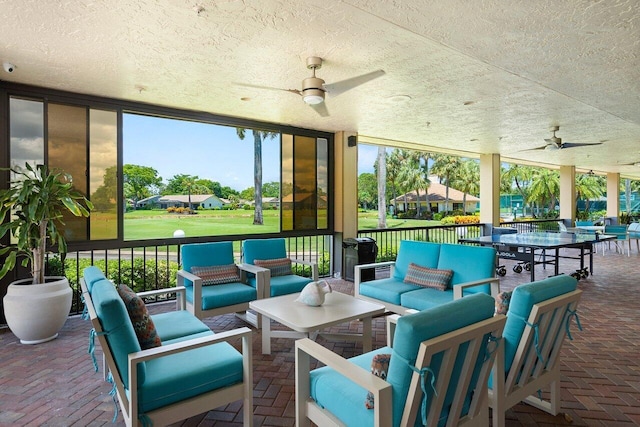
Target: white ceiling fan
{"x": 555, "y": 143}
{"x": 314, "y": 88}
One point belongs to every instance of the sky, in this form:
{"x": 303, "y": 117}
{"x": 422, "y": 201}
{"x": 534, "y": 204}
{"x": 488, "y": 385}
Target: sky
{"x": 174, "y": 147}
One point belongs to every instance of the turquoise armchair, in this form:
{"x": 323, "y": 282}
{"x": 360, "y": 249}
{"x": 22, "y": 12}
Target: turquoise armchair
{"x": 538, "y": 321}
{"x": 448, "y": 351}
{"x": 621, "y": 233}
{"x": 232, "y": 296}
{"x": 634, "y": 234}
{"x": 257, "y": 251}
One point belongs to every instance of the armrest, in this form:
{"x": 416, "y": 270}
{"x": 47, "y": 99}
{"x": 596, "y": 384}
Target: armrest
{"x": 166, "y": 350}
{"x": 313, "y": 265}
{"x": 263, "y": 279}
{"x": 392, "y": 321}
{"x": 181, "y": 295}
{"x": 380, "y": 388}
{"x": 357, "y": 273}
{"x": 494, "y": 282}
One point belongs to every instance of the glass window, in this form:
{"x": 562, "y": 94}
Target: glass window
{"x": 26, "y": 126}
{"x": 103, "y": 174}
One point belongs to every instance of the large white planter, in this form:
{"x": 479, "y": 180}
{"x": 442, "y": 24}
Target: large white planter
{"x": 35, "y": 313}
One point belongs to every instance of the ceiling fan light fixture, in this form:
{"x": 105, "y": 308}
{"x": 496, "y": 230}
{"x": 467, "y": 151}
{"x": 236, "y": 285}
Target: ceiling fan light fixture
{"x": 313, "y": 96}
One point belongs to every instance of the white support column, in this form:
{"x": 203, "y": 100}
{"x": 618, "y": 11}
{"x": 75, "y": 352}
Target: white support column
{"x": 613, "y": 196}
{"x": 568, "y": 193}
{"x": 490, "y": 189}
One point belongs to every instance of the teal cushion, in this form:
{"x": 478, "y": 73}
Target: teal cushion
{"x": 340, "y": 396}
{"x": 206, "y": 254}
{"x": 423, "y": 299}
{"x": 188, "y": 337}
{"x": 115, "y": 322}
{"x": 176, "y": 324}
{"x": 469, "y": 263}
{"x": 183, "y": 375}
{"x": 284, "y": 285}
{"x": 389, "y": 290}
{"x": 223, "y": 295}
{"x": 521, "y": 303}
{"x": 414, "y": 328}
{"x": 421, "y": 253}
{"x": 253, "y": 249}
{"x": 91, "y": 275}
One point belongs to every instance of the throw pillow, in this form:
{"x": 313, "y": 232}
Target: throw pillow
{"x": 217, "y": 274}
{"x": 379, "y": 368}
{"x": 428, "y": 277}
{"x": 502, "y": 302}
{"x": 278, "y": 266}
{"x": 142, "y": 323}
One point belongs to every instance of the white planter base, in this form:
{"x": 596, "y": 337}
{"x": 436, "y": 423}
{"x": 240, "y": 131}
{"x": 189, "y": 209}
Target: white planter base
{"x": 35, "y": 313}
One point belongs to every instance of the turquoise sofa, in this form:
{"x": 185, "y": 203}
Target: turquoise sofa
{"x": 473, "y": 272}
{"x": 193, "y": 371}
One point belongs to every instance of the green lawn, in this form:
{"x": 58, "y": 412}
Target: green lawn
{"x": 155, "y": 224}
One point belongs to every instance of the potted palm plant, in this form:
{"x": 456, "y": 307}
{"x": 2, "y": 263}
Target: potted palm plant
{"x": 31, "y": 211}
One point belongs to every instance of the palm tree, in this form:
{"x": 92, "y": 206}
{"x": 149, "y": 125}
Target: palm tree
{"x": 446, "y": 167}
{"x": 191, "y": 185}
{"x": 545, "y": 187}
{"x": 382, "y": 187}
{"x": 258, "y": 137}
{"x": 521, "y": 177}
{"x": 467, "y": 180}
{"x": 394, "y": 163}
{"x": 412, "y": 177}
{"x": 588, "y": 187}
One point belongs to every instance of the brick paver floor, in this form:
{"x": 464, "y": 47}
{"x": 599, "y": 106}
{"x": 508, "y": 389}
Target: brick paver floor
{"x": 54, "y": 384}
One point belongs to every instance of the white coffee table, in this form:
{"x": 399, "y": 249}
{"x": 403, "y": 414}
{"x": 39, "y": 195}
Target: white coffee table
{"x": 305, "y": 320}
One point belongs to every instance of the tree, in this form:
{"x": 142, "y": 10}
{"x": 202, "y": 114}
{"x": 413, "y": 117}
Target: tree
{"x": 412, "y": 177}
{"x": 394, "y": 163}
{"x": 247, "y": 193}
{"x": 140, "y": 182}
{"x": 382, "y": 187}
{"x": 588, "y": 187}
{"x": 271, "y": 189}
{"x": 446, "y": 167}
{"x": 104, "y": 198}
{"x": 545, "y": 187}
{"x": 520, "y": 176}
{"x": 258, "y": 137}
{"x": 467, "y": 180}
{"x": 367, "y": 190}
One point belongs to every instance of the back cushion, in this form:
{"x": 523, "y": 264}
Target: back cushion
{"x": 91, "y": 275}
{"x": 253, "y": 249}
{"x": 522, "y": 300}
{"x": 468, "y": 263}
{"x": 115, "y": 322}
{"x": 424, "y": 254}
{"x": 206, "y": 254}
{"x": 414, "y": 328}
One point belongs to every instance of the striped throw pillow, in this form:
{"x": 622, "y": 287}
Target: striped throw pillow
{"x": 428, "y": 277}
{"x": 278, "y": 266}
{"x": 217, "y": 274}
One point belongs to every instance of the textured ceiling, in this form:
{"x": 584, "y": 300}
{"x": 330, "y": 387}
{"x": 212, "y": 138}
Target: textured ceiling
{"x": 483, "y": 76}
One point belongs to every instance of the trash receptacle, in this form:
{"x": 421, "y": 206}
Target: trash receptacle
{"x": 361, "y": 250}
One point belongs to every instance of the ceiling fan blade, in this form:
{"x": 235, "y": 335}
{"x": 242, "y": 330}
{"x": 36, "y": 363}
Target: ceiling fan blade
{"x": 320, "y": 109}
{"x": 335, "y": 89}
{"x": 296, "y": 91}
{"x": 578, "y": 144}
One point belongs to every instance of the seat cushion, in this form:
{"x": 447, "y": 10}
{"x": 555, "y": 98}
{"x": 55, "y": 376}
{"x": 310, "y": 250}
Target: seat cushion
{"x": 342, "y": 397}
{"x": 285, "y": 285}
{"x": 223, "y": 295}
{"x": 425, "y": 298}
{"x": 183, "y": 375}
{"x": 177, "y": 324}
{"x": 421, "y": 253}
{"x": 389, "y": 290}
{"x": 522, "y": 300}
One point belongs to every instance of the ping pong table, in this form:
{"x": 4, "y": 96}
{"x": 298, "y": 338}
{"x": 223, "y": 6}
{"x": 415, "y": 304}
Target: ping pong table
{"x": 527, "y": 247}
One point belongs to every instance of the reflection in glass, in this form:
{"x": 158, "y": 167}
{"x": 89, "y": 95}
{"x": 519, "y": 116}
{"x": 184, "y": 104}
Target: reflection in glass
{"x": 103, "y": 178}
{"x": 26, "y": 124}
{"x": 67, "y": 151}
{"x": 323, "y": 183}
{"x": 304, "y": 183}
{"x": 286, "y": 192}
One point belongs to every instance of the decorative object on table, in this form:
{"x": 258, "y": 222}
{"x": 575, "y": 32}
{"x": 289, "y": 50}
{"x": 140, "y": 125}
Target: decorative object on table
{"x": 37, "y": 308}
{"x": 313, "y": 293}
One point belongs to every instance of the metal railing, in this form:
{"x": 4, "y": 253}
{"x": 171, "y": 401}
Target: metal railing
{"x": 151, "y": 265}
